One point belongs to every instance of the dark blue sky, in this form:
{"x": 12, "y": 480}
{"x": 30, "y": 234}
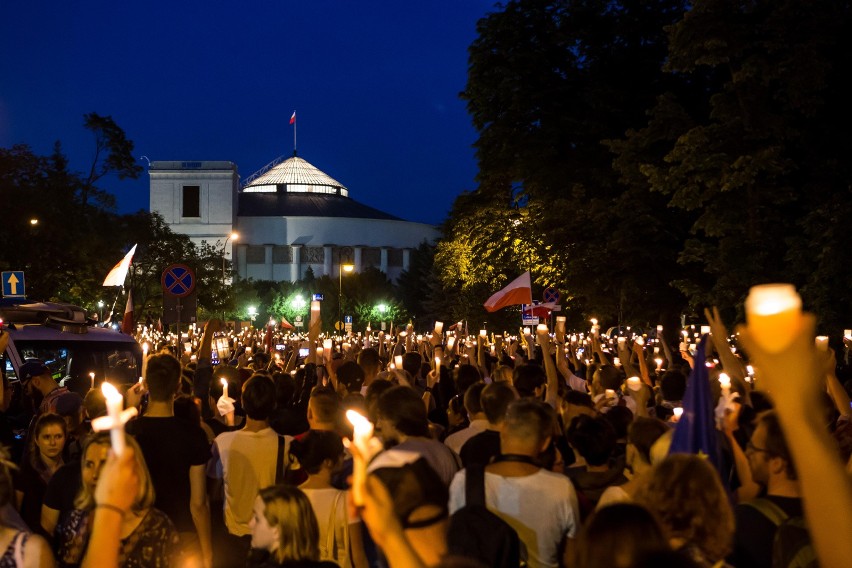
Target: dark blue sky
{"x": 375, "y": 86}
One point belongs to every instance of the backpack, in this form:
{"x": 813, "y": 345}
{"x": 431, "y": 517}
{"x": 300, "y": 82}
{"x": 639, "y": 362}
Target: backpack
{"x": 476, "y": 532}
{"x": 791, "y": 545}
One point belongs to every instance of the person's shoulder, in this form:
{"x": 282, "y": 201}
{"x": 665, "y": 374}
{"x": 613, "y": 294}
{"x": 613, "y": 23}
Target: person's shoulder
{"x": 155, "y": 519}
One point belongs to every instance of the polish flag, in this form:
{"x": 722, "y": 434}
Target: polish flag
{"x": 519, "y": 291}
{"x": 540, "y": 310}
{"x": 118, "y": 273}
{"x": 127, "y": 322}
{"x": 293, "y": 118}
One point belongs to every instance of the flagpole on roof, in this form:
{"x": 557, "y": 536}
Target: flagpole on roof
{"x": 293, "y": 122}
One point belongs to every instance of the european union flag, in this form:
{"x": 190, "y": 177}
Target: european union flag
{"x": 695, "y": 432}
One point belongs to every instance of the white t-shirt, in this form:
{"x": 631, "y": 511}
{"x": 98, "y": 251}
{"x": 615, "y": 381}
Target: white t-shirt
{"x": 542, "y": 508}
{"x": 457, "y": 440}
{"x": 332, "y": 515}
{"x": 246, "y": 461}
{"x": 613, "y": 494}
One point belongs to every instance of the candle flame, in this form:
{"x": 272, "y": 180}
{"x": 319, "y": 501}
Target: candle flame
{"x": 110, "y": 392}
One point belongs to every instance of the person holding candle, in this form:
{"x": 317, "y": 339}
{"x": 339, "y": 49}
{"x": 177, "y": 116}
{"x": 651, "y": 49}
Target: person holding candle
{"x": 44, "y": 457}
{"x": 245, "y": 461}
{"x": 176, "y": 452}
{"x": 147, "y": 536}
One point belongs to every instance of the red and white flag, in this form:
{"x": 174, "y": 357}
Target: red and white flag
{"x": 118, "y": 274}
{"x": 519, "y": 291}
{"x": 540, "y": 310}
{"x": 127, "y": 322}
{"x": 286, "y": 324}
{"x": 293, "y": 118}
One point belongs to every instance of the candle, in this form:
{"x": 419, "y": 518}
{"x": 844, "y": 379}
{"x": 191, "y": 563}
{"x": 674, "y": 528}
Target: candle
{"x": 616, "y": 361}
{"x": 451, "y": 341}
{"x": 315, "y": 312}
{"x": 363, "y": 431}
{"x": 320, "y": 352}
{"x": 847, "y": 333}
{"x": 224, "y": 388}
{"x": 540, "y": 328}
{"x": 822, "y": 342}
{"x": 483, "y": 333}
{"x": 678, "y": 412}
{"x": 115, "y": 405}
{"x": 610, "y": 393}
{"x": 621, "y": 341}
{"x": 144, "y": 358}
{"x": 725, "y": 382}
{"x": 439, "y": 327}
{"x": 640, "y": 341}
{"x": 774, "y": 315}
{"x": 327, "y": 344}
{"x": 659, "y": 329}
{"x": 634, "y": 383}
{"x": 705, "y": 329}
{"x": 659, "y": 363}
{"x": 398, "y": 361}
{"x": 92, "y": 377}
{"x": 527, "y": 331}
{"x": 437, "y": 362}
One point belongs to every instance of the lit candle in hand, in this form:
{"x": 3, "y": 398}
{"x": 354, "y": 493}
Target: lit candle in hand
{"x": 439, "y": 327}
{"x": 115, "y": 419}
{"x": 92, "y": 377}
{"x": 678, "y": 412}
{"x": 774, "y": 315}
{"x": 224, "y": 388}
{"x": 398, "y": 361}
{"x": 822, "y": 342}
{"x": 725, "y": 382}
{"x": 362, "y": 432}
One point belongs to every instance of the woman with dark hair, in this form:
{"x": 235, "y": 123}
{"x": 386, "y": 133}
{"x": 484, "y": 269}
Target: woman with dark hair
{"x": 641, "y": 435}
{"x": 320, "y": 455}
{"x": 43, "y": 458}
{"x": 617, "y": 536}
{"x": 284, "y": 531}
{"x": 685, "y": 493}
{"x": 18, "y": 549}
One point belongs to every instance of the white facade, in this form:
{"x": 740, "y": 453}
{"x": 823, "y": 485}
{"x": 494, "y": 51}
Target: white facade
{"x": 283, "y": 230}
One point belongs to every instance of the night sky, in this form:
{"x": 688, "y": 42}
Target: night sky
{"x": 375, "y": 86}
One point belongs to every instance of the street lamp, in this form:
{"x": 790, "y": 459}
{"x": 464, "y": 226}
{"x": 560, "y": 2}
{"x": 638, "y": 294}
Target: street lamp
{"x": 101, "y": 311}
{"x": 343, "y": 268}
{"x": 252, "y": 312}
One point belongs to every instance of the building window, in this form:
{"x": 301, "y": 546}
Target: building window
{"x": 191, "y": 201}
{"x": 371, "y": 257}
{"x": 395, "y": 257}
{"x": 256, "y": 255}
{"x": 282, "y": 255}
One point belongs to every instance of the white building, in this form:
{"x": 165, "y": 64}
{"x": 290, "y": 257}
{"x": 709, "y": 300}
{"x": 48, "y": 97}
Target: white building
{"x": 289, "y": 216}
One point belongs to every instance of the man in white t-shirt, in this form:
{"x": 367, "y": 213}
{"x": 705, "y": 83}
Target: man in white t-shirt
{"x": 247, "y": 461}
{"x": 478, "y": 421}
{"x": 540, "y": 505}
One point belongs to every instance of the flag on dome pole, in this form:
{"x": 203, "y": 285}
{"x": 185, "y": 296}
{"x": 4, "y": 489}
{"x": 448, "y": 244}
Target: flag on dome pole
{"x": 127, "y": 322}
{"x": 293, "y": 122}
{"x": 293, "y": 118}
{"x": 118, "y": 274}
{"x": 519, "y": 291}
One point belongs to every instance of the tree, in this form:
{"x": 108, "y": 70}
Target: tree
{"x": 113, "y": 156}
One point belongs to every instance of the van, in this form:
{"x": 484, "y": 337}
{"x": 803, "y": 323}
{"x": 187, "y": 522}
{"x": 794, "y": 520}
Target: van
{"x": 78, "y": 354}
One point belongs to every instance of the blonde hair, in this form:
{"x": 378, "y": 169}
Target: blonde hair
{"x": 288, "y": 509}
{"x": 686, "y": 495}
{"x": 85, "y": 499}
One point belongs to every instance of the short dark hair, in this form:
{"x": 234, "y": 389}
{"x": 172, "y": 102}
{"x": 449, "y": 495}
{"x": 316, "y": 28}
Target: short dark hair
{"x": 579, "y": 398}
{"x": 316, "y": 447}
{"x": 258, "y": 397}
{"x": 776, "y": 444}
{"x": 411, "y": 362}
{"x": 466, "y": 376}
{"x": 351, "y": 375}
{"x": 325, "y": 404}
{"x": 528, "y": 417}
{"x": 369, "y": 359}
{"x": 405, "y": 410}
{"x": 610, "y": 377}
{"x": 472, "y": 395}
{"x": 495, "y": 399}
{"x": 673, "y": 385}
{"x": 643, "y": 432}
{"x": 162, "y": 373}
{"x": 620, "y": 417}
{"x": 529, "y": 377}
{"x": 593, "y": 437}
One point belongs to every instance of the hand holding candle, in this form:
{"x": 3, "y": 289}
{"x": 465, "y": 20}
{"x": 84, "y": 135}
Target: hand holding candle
{"x": 774, "y": 315}
{"x": 115, "y": 419}
{"x": 366, "y": 447}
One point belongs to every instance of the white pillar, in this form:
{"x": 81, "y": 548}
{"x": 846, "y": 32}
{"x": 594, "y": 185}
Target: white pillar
{"x": 328, "y": 266}
{"x": 384, "y": 260}
{"x": 267, "y": 260}
{"x": 406, "y": 258}
{"x": 295, "y": 272}
{"x": 357, "y": 259}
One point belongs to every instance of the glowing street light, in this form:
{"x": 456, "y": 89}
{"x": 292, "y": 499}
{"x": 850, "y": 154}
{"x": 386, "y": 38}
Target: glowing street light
{"x": 343, "y": 268}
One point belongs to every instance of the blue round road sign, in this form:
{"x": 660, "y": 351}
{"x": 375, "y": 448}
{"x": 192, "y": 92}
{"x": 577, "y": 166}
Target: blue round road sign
{"x": 551, "y": 295}
{"x": 178, "y": 280}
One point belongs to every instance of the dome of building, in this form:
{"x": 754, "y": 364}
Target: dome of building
{"x": 293, "y": 175}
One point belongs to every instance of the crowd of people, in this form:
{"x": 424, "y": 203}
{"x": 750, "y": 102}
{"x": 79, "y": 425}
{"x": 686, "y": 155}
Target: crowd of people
{"x": 542, "y": 449}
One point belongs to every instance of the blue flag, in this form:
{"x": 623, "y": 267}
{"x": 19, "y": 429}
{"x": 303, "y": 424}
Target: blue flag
{"x": 695, "y": 432}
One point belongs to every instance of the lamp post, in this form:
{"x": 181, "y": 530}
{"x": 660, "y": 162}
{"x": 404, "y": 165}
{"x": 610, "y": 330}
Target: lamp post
{"x": 233, "y": 236}
{"x": 343, "y": 268}
{"x": 101, "y": 311}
